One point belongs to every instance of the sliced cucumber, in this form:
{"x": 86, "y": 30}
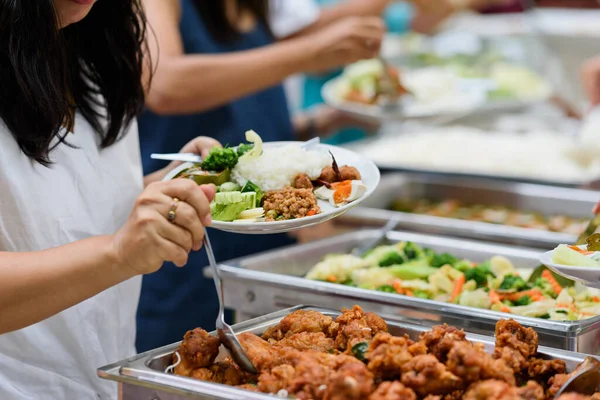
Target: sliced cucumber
{"x": 225, "y": 198}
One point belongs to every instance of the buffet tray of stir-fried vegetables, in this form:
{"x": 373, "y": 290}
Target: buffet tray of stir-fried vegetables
{"x": 418, "y": 277}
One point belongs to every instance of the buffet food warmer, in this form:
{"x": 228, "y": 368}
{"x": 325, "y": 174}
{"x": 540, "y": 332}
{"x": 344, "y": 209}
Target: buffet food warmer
{"x": 275, "y": 280}
{"x": 529, "y": 204}
{"x": 143, "y": 376}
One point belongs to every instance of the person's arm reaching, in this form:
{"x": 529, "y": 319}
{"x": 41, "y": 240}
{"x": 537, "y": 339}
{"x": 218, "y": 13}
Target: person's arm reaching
{"x": 37, "y": 285}
{"x": 184, "y": 84}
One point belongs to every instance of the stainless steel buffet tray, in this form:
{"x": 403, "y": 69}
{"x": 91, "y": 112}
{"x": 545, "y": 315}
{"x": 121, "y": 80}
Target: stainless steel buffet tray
{"x": 143, "y": 376}
{"x": 275, "y": 280}
{"x": 545, "y": 200}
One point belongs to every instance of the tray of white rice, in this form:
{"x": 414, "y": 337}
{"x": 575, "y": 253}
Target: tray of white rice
{"x": 280, "y": 186}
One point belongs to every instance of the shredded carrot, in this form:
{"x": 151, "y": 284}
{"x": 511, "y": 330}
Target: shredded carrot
{"x": 331, "y": 278}
{"x": 535, "y": 295}
{"x": 566, "y": 305}
{"x": 311, "y": 213}
{"x": 409, "y": 293}
{"x": 579, "y": 250}
{"x": 494, "y": 297}
{"x": 458, "y": 285}
{"x": 553, "y": 282}
{"x": 586, "y": 314}
{"x": 397, "y": 285}
{"x": 505, "y": 309}
{"x": 596, "y": 299}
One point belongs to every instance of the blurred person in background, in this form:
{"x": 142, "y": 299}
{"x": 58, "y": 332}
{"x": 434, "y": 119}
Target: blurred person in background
{"x": 423, "y": 16}
{"x": 590, "y": 79}
{"x": 218, "y": 71}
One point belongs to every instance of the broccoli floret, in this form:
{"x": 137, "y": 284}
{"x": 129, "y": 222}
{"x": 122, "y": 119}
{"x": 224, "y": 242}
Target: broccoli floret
{"x": 523, "y": 301}
{"x": 348, "y": 282}
{"x": 545, "y": 287}
{"x": 220, "y": 159}
{"x": 411, "y": 251}
{"x": 439, "y": 260}
{"x": 244, "y": 148}
{"x": 428, "y": 253}
{"x": 479, "y": 274}
{"x": 391, "y": 258}
{"x": 463, "y": 265}
{"x": 386, "y": 289}
{"x": 513, "y": 282}
{"x": 421, "y": 294}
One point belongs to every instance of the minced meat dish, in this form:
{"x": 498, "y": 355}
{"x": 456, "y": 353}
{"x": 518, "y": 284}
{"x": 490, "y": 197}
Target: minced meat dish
{"x": 289, "y": 203}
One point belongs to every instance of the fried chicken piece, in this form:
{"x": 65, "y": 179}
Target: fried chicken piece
{"x": 197, "y": 350}
{"x": 440, "y": 339}
{"x": 511, "y": 334}
{"x": 355, "y": 326}
{"x": 348, "y": 173}
{"x": 313, "y": 375}
{"x": 387, "y": 354}
{"x": 512, "y": 358}
{"x": 249, "y": 386}
{"x": 277, "y": 379}
{"x": 596, "y": 396}
{"x": 225, "y": 372}
{"x": 472, "y": 364}
{"x": 328, "y": 175}
{"x": 297, "y": 322}
{"x": 316, "y": 341}
{"x": 351, "y": 381}
{"x": 531, "y": 391}
{"x": 456, "y": 395}
{"x": 542, "y": 370}
{"x": 576, "y": 396}
{"x": 491, "y": 390}
{"x": 426, "y": 375}
{"x": 262, "y": 355}
{"x": 555, "y": 383}
{"x": 302, "y": 181}
{"x": 393, "y": 391}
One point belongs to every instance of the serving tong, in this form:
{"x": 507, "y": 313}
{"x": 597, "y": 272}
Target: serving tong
{"x": 585, "y": 379}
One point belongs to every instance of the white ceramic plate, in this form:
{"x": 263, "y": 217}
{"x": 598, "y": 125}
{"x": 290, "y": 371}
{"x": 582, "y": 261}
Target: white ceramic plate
{"x": 589, "y": 276}
{"x": 411, "y": 110}
{"x": 369, "y": 175}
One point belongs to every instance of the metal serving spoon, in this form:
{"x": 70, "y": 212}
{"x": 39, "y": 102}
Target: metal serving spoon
{"x": 389, "y": 98}
{"x": 226, "y": 333}
{"x": 584, "y": 380}
{"x": 359, "y": 251}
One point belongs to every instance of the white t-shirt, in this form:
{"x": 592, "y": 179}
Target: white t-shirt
{"x": 88, "y": 191}
{"x": 291, "y": 16}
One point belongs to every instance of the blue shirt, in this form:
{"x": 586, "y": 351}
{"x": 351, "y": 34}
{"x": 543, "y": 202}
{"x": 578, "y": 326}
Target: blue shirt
{"x": 174, "y": 300}
{"x": 398, "y": 17}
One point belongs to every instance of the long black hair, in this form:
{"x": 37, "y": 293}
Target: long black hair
{"x": 94, "y": 66}
{"x": 214, "y": 15}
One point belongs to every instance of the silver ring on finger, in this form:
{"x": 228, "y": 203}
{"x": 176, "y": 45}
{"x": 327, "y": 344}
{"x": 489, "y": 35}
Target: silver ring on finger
{"x": 173, "y": 210}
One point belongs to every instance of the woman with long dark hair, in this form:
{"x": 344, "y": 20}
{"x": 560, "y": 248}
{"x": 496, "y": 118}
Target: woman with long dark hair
{"x": 218, "y": 71}
{"x": 70, "y": 177}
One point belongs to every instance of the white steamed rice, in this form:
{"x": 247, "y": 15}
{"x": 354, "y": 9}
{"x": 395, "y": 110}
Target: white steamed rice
{"x": 277, "y": 167}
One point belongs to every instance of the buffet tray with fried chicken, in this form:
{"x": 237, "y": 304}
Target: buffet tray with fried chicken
{"x": 309, "y": 353}
{"x": 282, "y": 278}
